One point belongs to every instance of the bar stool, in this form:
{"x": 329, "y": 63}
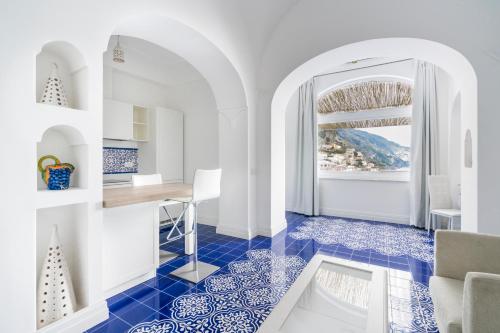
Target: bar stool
{"x": 206, "y": 186}
{"x": 156, "y": 179}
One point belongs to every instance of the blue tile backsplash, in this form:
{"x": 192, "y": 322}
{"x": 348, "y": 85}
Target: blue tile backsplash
{"x": 120, "y": 160}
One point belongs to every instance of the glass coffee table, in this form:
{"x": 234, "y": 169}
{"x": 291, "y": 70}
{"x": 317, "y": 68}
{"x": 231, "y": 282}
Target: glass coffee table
{"x": 333, "y": 295}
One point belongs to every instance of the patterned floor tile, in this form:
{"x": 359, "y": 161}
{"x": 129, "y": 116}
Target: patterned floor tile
{"x": 255, "y": 274}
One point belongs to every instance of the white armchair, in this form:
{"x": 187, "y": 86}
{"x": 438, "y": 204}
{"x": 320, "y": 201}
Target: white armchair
{"x": 465, "y": 288}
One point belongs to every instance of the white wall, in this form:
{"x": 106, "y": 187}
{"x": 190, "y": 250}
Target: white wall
{"x": 362, "y": 198}
{"x": 201, "y": 137}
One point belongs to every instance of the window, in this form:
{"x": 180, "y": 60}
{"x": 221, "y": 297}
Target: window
{"x": 361, "y": 141}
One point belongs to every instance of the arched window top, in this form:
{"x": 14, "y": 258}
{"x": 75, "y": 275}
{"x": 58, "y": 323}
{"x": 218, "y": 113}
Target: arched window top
{"x": 366, "y": 95}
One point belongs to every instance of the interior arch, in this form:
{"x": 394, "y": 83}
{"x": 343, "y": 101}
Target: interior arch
{"x": 231, "y": 101}
{"x": 454, "y": 63}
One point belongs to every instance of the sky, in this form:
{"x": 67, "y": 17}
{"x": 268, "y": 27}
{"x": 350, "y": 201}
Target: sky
{"x": 398, "y": 134}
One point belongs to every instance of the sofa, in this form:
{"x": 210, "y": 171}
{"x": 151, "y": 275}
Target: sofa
{"x": 465, "y": 288}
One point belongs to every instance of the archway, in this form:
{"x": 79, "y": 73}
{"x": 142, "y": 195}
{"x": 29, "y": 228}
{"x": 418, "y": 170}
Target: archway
{"x": 454, "y": 63}
{"x": 231, "y": 101}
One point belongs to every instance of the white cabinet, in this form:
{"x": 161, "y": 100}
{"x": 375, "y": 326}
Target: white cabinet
{"x": 128, "y": 245}
{"x": 118, "y": 120}
{"x": 169, "y": 133}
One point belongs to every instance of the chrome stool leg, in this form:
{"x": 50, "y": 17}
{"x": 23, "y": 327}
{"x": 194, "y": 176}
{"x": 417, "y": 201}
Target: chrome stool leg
{"x": 196, "y": 270}
{"x": 166, "y": 256}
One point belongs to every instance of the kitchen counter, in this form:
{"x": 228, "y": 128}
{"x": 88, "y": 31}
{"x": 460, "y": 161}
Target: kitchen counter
{"x": 123, "y": 196}
{"x": 131, "y": 229}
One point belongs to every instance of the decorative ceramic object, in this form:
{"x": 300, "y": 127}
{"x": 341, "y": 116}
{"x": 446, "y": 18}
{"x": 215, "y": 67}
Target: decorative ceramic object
{"x": 56, "y": 297}
{"x": 54, "y": 91}
{"x": 57, "y": 175}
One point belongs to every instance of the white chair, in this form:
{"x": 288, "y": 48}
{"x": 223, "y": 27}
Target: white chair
{"x": 206, "y": 186}
{"x": 440, "y": 201}
{"x": 144, "y": 180}
{"x": 156, "y": 179}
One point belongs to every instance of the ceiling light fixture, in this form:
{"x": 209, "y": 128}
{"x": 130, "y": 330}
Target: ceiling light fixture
{"x": 118, "y": 54}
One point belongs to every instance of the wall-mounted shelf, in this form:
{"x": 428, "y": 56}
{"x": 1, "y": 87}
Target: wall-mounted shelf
{"x": 72, "y": 71}
{"x": 55, "y": 109}
{"x": 48, "y": 116}
{"x": 71, "y": 322}
{"x": 73, "y": 195}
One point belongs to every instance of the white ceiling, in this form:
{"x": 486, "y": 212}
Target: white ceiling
{"x": 152, "y": 62}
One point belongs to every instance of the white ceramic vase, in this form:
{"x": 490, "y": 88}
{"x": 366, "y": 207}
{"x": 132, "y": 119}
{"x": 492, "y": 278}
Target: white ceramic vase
{"x": 56, "y": 297}
{"x": 54, "y": 91}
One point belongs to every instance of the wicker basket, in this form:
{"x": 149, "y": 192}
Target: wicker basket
{"x": 57, "y": 175}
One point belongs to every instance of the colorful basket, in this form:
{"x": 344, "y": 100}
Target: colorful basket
{"x": 57, "y": 175}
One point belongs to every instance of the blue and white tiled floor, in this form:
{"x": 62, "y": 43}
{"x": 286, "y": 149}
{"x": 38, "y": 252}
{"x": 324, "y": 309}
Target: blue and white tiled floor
{"x": 255, "y": 274}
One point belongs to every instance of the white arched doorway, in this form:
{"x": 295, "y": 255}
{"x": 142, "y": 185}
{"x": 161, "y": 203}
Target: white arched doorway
{"x": 454, "y": 63}
{"x": 231, "y": 100}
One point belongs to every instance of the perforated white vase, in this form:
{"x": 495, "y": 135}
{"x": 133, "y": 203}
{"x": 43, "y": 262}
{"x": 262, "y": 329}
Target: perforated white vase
{"x": 56, "y": 297}
{"x": 54, "y": 91}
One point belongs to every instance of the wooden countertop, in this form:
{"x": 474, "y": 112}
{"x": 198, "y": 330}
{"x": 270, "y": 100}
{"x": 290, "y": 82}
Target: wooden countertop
{"x": 123, "y": 196}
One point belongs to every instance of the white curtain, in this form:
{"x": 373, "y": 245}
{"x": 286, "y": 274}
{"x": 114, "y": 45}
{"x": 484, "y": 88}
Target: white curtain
{"x": 305, "y": 187}
{"x": 424, "y": 141}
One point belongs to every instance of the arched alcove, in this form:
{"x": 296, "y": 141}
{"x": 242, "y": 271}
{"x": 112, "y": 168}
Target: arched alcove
{"x": 69, "y": 145}
{"x": 71, "y": 68}
{"x": 454, "y": 63}
{"x": 72, "y": 227}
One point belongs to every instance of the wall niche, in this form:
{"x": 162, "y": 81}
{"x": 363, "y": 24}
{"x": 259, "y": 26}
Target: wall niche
{"x": 468, "y": 149}
{"x": 71, "y": 69}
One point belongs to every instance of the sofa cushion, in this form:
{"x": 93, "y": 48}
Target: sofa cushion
{"x": 447, "y": 296}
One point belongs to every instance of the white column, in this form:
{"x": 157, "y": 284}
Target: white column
{"x": 233, "y": 159}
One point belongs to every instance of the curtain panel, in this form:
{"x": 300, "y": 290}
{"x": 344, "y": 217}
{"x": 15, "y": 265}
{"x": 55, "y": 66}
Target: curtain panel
{"x": 424, "y": 142}
{"x": 306, "y": 185}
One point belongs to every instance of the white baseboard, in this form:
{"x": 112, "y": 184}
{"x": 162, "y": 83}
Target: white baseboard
{"x": 129, "y": 283}
{"x": 273, "y": 230}
{"x": 401, "y": 219}
{"x": 235, "y": 232}
{"x": 79, "y": 321}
